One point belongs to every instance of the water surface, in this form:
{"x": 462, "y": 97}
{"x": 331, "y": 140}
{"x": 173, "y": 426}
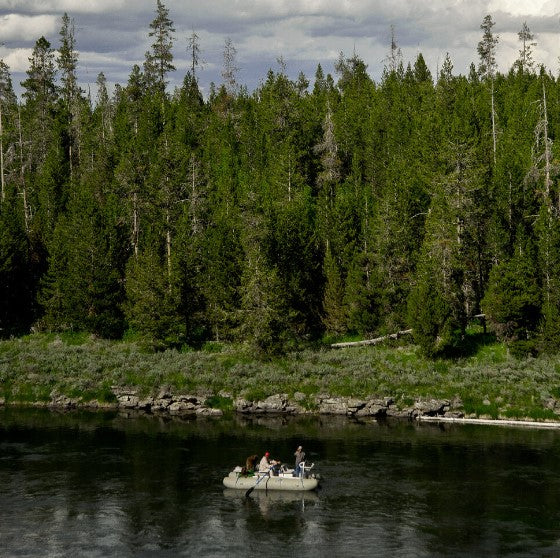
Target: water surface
{"x": 99, "y": 484}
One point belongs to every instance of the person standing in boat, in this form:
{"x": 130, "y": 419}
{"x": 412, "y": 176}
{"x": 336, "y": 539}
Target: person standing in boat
{"x": 300, "y": 456}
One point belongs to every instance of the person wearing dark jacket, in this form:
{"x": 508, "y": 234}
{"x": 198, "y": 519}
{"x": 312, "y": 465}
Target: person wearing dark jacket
{"x": 300, "y": 456}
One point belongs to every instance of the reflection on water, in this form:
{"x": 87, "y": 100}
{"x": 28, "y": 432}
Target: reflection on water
{"x": 272, "y": 504}
{"x": 95, "y": 484}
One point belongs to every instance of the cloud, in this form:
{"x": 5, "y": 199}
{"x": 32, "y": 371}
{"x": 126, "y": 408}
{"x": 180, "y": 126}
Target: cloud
{"x": 17, "y": 59}
{"x": 61, "y": 6}
{"x": 18, "y": 28}
{"x": 112, "y": 35}
{"x": 525, "y": 7}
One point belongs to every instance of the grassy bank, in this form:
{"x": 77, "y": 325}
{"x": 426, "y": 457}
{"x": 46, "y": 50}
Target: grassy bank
{"x": 489, "y": 382}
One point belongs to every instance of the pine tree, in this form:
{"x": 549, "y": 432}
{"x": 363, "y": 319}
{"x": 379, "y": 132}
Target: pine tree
{"x": 159, "y": 60}
{"x": 361, "y": 299}
{"x": 487, "y": 67}
{"x": 487, "y": 49}
{"x": 512, "y": 301}
{"x": 67, "y": 63}
{"x": 543, "y": 175}
{"x": 40, "y": 94}
{"x": 525, "y": 62}
{"x": 263, "y": 313}
{"x": 430, "y": 315}
{"x": 68, "y": 60}
{"x": 334, "y": 318}
{"x": 449, "y": 270}
{"x": 105, "y": 109}
{"x": 17, "y": 305}
{"x": 135, "y": 134}
{"x": 547, "y": 231}
{"x": 153, "y": 303}
{"x": 8, "y": 133}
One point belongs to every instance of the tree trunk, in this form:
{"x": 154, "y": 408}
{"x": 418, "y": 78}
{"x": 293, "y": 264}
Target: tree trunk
{"x": 493, "y": 123}
{"x": 26, "y": 213}
{"x": 3, "y": 194}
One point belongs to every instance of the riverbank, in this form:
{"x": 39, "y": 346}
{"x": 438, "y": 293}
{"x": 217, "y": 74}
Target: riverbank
{"x": 388, "y": 381}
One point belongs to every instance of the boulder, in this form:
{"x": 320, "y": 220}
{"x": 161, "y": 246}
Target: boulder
{"x": 160, "y": 405}
{"x": 273, "y": 404}
{"x": 373, "y": 408}
{"x": 119, "y": 391}
{"x": 62, "y": 401}
{"x": 354, "y": 405}
{"x": 127, "y": 401}
{"x": 294, "y": 408}
{"x": 164, "y": 393}
{"x": 431, "y": 407}
{"x": 394, "y": 412}
{"x": 333, "y": 406}
{"x": 209, "y": 412}
{"x": 145, "y": 404}
{"x": 242, "y": 405}
{"x": 182, "y": 407}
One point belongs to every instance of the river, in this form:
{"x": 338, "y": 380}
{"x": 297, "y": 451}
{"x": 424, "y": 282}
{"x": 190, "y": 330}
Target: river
{"x": 100, "y": 484}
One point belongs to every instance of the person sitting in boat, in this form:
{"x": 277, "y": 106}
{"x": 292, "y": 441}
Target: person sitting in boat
{"x": 300, "y": 456}
{"x": 250, "y": 465}
{"x": 268, "y": 465}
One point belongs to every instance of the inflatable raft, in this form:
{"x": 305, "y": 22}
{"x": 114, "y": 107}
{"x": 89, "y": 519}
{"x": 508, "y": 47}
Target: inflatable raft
{"x": 284, "y": 480}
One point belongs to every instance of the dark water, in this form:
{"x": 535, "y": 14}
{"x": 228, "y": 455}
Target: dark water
{"x": 103, "y": 485}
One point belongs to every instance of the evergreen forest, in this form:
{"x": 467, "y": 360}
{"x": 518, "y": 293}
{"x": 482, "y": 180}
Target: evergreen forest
{"x": 320, "y": 208}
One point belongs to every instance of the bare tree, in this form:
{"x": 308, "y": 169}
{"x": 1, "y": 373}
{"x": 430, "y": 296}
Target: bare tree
{"x": 394, "y": 58}
{"x": 231, "y": 69}
{"x": 193, "y": 49}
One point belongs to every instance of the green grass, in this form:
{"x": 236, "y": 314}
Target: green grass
{"x": 82, "y": 366}
{"x": 219, "y": 402}
{"x": 473, "y": 406}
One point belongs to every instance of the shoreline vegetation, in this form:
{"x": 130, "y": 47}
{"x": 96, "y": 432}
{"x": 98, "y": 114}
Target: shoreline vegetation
{"x": 390, "y": 380}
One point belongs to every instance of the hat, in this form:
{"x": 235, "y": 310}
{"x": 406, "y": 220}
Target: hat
{"x": 266, "y": 454}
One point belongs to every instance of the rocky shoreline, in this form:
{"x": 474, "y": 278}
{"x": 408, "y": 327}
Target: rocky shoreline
{"x": 129, "y": 402}
{"x": 349, "y": 406}
{"x": 166, "y": 402}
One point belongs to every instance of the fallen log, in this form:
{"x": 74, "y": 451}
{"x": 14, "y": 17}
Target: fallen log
{"x": 371, "y": 341}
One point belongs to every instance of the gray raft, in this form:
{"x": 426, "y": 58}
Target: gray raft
{"x": 265, "y": 481}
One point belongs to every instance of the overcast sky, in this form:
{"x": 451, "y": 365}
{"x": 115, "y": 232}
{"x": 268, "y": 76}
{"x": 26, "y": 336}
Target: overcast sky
{"x": 112, "y": 35}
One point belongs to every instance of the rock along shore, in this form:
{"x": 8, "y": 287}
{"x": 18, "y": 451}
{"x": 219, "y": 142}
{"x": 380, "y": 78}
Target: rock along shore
{"x": 166, "y": 402}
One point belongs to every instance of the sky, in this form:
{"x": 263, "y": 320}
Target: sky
{"x": 112, "y": 35}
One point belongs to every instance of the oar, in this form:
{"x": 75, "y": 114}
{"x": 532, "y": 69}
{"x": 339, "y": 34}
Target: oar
{"x": 248, "y": 493}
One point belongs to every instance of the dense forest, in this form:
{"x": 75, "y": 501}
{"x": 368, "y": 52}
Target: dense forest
{"x": 306, "y": 208}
